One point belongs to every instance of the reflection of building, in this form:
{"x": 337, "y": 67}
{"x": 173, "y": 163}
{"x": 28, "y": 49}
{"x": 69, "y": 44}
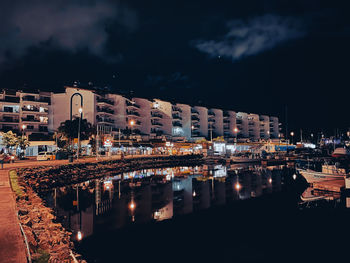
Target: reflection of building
{"x": 182, "y": 188}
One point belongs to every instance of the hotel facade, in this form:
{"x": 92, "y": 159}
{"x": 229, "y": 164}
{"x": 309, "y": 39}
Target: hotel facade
{"x": 43, "y": 112}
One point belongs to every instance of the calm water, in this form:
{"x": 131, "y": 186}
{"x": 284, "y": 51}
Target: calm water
{"x": 199, "y": 214}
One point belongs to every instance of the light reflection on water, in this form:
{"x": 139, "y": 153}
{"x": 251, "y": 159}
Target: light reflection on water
{"x": 157, "y": 194}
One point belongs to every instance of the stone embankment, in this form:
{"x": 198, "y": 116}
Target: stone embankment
{"x": 48, "y": 241}
{"x": 48, "y": 177}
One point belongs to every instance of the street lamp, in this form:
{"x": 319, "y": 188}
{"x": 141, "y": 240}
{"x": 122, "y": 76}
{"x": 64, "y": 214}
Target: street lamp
{"x": 236, "y": 132}
{"x": 292, "y": 134}
{"x": 81, "y": 115}
{"x": 132, "y": 123}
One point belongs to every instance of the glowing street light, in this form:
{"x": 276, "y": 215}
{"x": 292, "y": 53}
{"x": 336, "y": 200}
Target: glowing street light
{"x": 79, "y": 235}
{"x": 81, "y": 115}
{"x": 237, "y": 186}
{"x": 292, "y": 134}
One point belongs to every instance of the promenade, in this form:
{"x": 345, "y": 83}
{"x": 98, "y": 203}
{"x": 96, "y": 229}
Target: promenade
{"x": 12, "y": 246}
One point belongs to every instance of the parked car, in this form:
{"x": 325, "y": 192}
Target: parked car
{"x": 45, "y": 156}
{"x": 9, "y": 158}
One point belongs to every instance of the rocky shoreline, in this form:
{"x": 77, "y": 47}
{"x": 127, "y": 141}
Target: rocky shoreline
{"x": 48, "y": 240}
{"x": 44, "y": 178}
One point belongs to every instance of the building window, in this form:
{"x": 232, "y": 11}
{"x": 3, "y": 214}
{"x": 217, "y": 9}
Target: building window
{"x": 43, "y": 119}
{"x": 30, "y": 127}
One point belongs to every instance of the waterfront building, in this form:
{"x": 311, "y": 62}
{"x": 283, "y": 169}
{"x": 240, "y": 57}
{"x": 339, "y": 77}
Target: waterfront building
{"x": 25, "y": 113}
{"x": 43, "y": 112}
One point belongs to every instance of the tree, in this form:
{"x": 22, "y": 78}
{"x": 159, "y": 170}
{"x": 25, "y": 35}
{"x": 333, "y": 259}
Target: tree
{"x": 9, "y": 139}
{"x": 68, "y": 130}
{"x": 22, "y": 142}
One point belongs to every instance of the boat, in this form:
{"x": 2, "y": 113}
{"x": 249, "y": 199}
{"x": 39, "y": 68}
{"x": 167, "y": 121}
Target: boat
{"x": 308, "y": 196}
{"x": 340, "y": 153}
{"x": 329, "y": 172}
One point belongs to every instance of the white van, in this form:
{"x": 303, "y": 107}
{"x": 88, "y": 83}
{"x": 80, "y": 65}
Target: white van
{"x": 45, "y": 156}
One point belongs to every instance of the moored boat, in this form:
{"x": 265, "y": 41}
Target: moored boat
{"x": 329, "y": 172}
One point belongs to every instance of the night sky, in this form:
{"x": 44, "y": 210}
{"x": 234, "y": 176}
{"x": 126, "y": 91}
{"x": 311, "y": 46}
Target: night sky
{"x": 253, "y": 55}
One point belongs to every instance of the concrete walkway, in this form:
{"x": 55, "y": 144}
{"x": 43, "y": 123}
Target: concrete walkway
{"x": 12, "y": 247}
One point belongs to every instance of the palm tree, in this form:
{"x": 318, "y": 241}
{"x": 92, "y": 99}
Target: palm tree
{"x": 68, "y": 130}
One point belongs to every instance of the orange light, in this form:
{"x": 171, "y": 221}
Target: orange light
{"x": 270, "y": 180}
{"x": 132, "y": 206}
{"x": 235, "y": 130}
{"x": 79, "y": 235}
{"x": 238, "y": 186}
{"x": 132, "y": 122}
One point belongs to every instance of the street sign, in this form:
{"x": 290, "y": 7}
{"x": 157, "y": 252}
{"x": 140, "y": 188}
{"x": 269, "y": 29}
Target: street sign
{"x": 107, "y": 143}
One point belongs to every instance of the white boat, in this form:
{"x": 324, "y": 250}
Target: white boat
{"x": 329, "y": 172}
{"x": 308, "y": 196}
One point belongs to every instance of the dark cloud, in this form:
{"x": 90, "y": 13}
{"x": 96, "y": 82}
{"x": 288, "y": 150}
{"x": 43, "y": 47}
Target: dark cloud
{"x": 64, "y": 24}
{"x": 246, "y": 38}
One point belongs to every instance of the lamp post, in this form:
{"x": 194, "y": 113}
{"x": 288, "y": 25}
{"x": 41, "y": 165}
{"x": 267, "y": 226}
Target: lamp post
{"x": 236, "y": 132}
{"x": 23, "y": 128}
{"x": 292, "y": 134}
{"x": 81, "y": 115}
{"x": 23, "y": 135}
{"x": 132, "y": 123}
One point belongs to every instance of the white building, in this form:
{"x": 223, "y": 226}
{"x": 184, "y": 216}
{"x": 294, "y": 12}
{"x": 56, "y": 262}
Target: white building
{"x": 25, "y": 113}
{"x": 43, "y": 112}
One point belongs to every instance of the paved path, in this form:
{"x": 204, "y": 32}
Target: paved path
{"x": 12, "y": 247}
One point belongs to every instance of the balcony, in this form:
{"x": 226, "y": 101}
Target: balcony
{"x": 195, "y": 118}
{"x": 154, "y": 123}
{"x": 177, "y": 117}
{"x": 177, "y": 124}
{"x": 10, "y": 110}
{"x": 239, "y": 121}
{"x": 211, "y": 120}
{"x": 211, "y": 127}
{"x": 194, "y": 111}
{"x": 226, "y": 127}
{"x": 28, "y": 119}
{"x": 10, "y": 120}
{"x": 132, "y": 113}
{"x": 156, "y": 115}
{"x": 35, "y": 99}
{"x": 106, "y": 110}
{"x": 130, "y": 104}
{"x": 226, "y": 114}
{"x": 226, "y": 121}
{"x": 34, "y": 109}
{"x": 102, "y": 119}
{"x": 11, "y": 99}
{"x": 251, "y": 123}
{"x": 175, "y": 108}
{"x": 210, "y": 113}
{"x": 104, "y": 100}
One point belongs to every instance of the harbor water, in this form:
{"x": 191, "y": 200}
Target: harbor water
{"x": 208, "y": 213}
